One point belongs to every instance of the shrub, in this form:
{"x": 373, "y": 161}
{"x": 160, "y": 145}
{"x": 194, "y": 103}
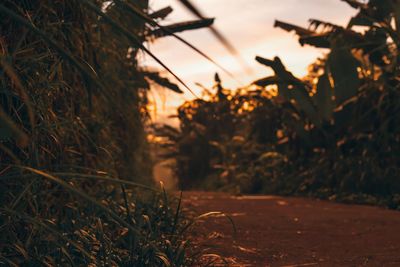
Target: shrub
{"x": 333, "y": 133}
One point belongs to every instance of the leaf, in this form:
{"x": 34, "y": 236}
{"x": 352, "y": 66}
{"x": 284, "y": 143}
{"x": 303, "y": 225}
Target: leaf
{"x": 342, "y": 67}
{"x": 279, "y": 69}
{"x": 134, "y": 39}
{"x": 163, "y": 258}
{"x": 267, "y": 81}
{"x": 155, "y": 77}
{"x": 88, "y": 74}
{"x": 224, "y": 41}
{"x": 381, "y": 10}
{"x": 84, "y": 196}
{"x": 317, "y": 40}
{"x": 69, "y": 175}
{"x": 182, "y": 26}
{"x": 292, "y": 88}
{"x": 323, "y": 98}
{"x": 291, "y": 27}
{"x": 320, "y": 39}
{"x": 375, "y": 45}
{"x": 8, "y": 129}
{"x": 355, "y": 3}
{"x": 21, "y": 90}
{"x": 344, "y": 118}
{"x": 161, "y": 13}
{"x": 45, "y": 226}
{"x": 298, "y": 127}
{"x": 316, "y": 24}
{"x": 306, "y": 36}
{"x": 154, "y": 23}
{"x": 176, "y": 217}
{"x": 360, "y": 20}
{"x": 210, "y": 215}
{"x": 304, "y": 102}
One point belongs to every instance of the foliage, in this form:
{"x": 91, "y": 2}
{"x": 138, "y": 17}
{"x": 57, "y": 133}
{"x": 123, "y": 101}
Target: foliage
{"x": 333, "y": 133}
{"x": 86, "y": 220}
{"x": 73, "y": 150}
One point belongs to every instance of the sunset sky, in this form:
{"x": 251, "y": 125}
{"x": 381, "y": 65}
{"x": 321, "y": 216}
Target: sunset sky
{"x": 248, "y": 24}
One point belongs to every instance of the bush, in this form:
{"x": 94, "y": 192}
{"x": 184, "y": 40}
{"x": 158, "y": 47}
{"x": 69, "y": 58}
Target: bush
{"x": 333, "y": 133}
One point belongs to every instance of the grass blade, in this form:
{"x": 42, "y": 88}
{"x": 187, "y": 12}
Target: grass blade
{"x": 48, "y": 228}
{"x": 105, "y": 178}
{"x": 67, "y": 55}
{"x": 209, "y": 215}
{"x": 83, "y": 196}
{"x": 149, "y": 20}
{"x": 11, "y": 73}
{"x": 221, "y": 38}
{"x": 178, "y": 209}
{"x": 134, "y": 40}
{"x": 9, "y": 129}
{"x": 183, "y": 26}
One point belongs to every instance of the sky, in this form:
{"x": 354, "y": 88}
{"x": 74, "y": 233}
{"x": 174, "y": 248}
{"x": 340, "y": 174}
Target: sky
{"x": 248, "y": 24}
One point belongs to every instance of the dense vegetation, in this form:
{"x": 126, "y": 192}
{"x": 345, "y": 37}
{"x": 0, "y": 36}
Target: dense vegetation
{"x": 75, "y": 171}
{"x": 332, "y": 134}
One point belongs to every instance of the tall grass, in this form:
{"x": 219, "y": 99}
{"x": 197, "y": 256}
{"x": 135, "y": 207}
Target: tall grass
{"x": 75, "y": 169}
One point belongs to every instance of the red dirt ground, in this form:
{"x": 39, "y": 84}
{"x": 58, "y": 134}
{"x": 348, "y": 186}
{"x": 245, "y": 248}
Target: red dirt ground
{"x": 287, "y": 231}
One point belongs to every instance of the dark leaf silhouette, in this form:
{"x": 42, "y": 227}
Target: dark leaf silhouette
{"x": 155, "y": 77}
{"x": 223, "y": 40}
{"x": 182, "y": 26}
{"x": 162, "y": 13}
{"x": 324, "y": 97}
{"x": 291, "y": 27}
{"x": 343, "y": 68}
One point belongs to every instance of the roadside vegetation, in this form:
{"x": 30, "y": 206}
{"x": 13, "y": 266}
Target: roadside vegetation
{"x": 332, "y": 134}
{"x": 75, "y": 169}
{"x": 75, "y": 164}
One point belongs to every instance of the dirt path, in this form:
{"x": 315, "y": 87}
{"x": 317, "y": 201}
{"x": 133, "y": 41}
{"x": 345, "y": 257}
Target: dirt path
{"x": 277, "y": 231}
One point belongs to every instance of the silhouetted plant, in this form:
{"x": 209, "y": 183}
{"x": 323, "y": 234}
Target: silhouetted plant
{"x": 333, "y": 133}
{"x": 75, "y": 170}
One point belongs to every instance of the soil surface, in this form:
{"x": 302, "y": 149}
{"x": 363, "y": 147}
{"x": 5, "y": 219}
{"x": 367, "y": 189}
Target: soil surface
{"x": 287, "y": 231}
